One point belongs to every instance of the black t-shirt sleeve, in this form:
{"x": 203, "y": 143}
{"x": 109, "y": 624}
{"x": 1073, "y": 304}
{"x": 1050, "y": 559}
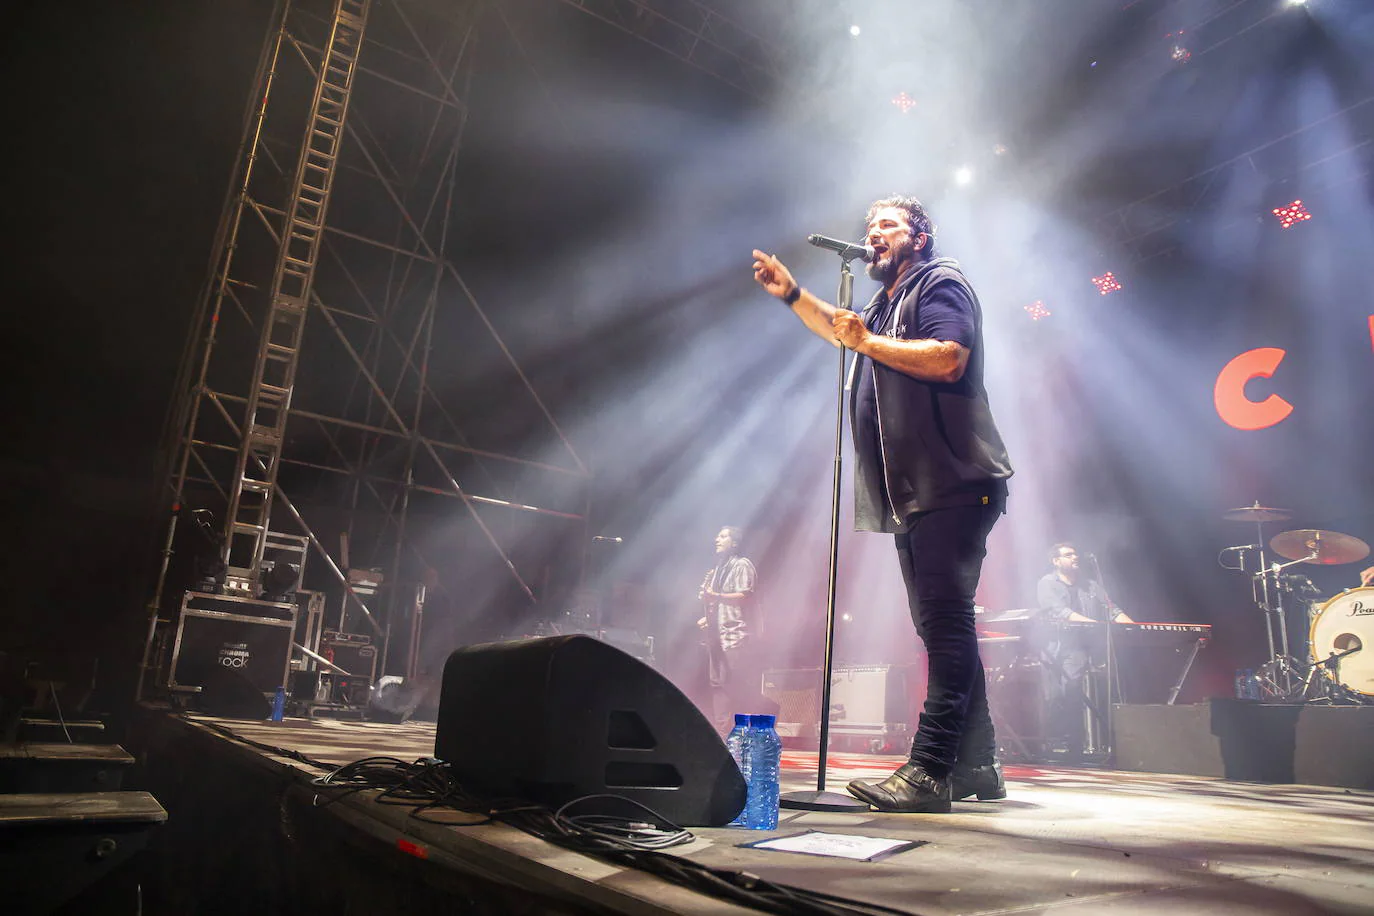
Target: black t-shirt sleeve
{"x": 946, "y": 314}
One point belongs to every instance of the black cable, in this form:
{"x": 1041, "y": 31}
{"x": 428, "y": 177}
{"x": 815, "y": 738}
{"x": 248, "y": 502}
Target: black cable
{"x": 266, "y": 748}
{"x": 634, "y": 842}
{"x": 52, "y": 688}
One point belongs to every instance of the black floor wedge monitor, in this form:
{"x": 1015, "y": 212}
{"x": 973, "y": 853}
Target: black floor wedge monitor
{"x": 550, "y": 720}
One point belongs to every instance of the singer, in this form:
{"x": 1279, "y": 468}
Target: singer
{"x": 931, "y": 470}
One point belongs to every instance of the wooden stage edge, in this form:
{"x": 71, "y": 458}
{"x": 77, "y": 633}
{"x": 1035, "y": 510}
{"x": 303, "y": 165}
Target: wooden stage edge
{"x": 248, "y": 831}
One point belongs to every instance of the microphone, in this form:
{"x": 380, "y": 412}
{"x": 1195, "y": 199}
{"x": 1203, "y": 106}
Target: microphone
{"x": 847, "y": 250}
{"x": 598, "y": 537}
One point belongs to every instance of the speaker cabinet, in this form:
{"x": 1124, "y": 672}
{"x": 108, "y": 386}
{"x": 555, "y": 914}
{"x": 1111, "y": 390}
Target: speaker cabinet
{"x": 550, "y": 720}
{"x": 871, "y": 706}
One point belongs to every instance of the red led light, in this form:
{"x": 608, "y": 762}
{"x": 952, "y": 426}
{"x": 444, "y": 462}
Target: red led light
{"x": 1292, "y": 214}
{"x": 412, "y": 849}
{"x": 904, "y": 102}
{"x": 1106, "y": 283}
{"x": 1037, "y": 310}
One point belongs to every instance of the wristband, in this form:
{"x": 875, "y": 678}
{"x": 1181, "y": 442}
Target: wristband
{"x": 792, "y": 296}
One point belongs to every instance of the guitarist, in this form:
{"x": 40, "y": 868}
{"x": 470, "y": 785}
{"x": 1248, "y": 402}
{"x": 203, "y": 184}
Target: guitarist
{"x": 730, "y": 619}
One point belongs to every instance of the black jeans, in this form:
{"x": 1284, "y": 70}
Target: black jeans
{"x": 942, "y": 556}
{"x": 736, "y": 679}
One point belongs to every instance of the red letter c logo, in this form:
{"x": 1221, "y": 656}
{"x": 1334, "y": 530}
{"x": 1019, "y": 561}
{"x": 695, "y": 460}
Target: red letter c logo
{"x": 1232, "y": 404}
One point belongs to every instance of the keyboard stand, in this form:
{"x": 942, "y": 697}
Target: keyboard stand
{"x": 1187, "y": 666}
{"x": 1001, "y": 728}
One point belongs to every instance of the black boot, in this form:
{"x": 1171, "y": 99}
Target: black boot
{"x": 910, "y": 789}
{"x": 985, "y": 782}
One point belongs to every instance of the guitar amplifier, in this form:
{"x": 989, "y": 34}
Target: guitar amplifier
{"x": 870, "y": 706}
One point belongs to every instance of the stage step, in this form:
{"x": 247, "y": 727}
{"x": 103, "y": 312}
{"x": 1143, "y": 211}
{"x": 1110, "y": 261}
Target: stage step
{"x": 53, "y": 767}
{"x": 42, "y": 728}
{"x": 56, "y": 845}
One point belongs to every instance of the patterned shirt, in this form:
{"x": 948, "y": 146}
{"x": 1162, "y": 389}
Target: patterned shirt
{"x": 730, "y": 621}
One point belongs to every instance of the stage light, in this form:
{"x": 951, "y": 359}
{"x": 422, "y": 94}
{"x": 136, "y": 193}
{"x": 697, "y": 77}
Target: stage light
{"x": 1179, "y": 51}
{"x": 854, "y": 30}
{"x": 1037, "y": 310}
{"x": 999, "y": 150}
{"x": 1292, "y": 214}
{"x": 394, "y": 699}
{"x": 963, "y": 175}
{"x": 1107, "y": 283}
{"x": 1297, "y": 2}
{"x": 280, "y": 580}
{"x": 904, "y": 102}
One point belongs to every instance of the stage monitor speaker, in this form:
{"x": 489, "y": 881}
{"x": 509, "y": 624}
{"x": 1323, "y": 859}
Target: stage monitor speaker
{"x": 550, "y": 720}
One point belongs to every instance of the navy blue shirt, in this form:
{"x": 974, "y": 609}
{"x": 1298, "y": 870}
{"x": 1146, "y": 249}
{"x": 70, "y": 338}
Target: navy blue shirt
{"x": 951, "y": 476}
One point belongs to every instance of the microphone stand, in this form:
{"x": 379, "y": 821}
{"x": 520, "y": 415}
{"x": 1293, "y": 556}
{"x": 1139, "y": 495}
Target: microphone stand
{"x": 821, "y": 800}
{"x": 1111, "y": 610}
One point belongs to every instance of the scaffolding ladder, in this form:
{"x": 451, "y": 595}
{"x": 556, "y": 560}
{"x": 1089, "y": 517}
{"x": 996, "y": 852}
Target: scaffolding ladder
{"x": 274, "y": 375}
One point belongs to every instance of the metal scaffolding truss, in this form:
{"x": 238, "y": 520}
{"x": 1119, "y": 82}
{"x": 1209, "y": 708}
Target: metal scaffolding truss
{"x": 698, "y": 35}
{"x": 309, "y": 400}
{"x": 307, "y": 404}
{"x": 1296, "y": 161}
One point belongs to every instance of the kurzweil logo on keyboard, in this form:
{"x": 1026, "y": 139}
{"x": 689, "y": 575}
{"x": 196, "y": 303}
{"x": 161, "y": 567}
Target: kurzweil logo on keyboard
{"x": 1171, "y": 627}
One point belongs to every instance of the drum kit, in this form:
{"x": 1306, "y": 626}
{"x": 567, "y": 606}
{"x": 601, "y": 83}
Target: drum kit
{"x": 1335, "y": 669}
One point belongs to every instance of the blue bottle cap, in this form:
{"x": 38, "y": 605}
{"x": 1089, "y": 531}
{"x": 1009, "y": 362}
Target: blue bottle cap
{"x": 763, "y": 721}
{"x": 741, "y": 718}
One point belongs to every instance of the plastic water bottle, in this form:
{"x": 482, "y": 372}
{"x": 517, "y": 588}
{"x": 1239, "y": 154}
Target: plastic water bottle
{"x": 279, "y": 704}
{"x": 765, "y": 762}
{"x": 1242, "y": 684}
{"x": 1252, "y": 686}
{"x": 737, "y": 743}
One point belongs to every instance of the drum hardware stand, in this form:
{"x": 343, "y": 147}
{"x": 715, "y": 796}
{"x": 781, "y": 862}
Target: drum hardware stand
{"x": 1332, "y": 661}
{"x": 1259, "y": 589}
{"x": 1282, "y": 677}
{"x": 1279, "y": 676}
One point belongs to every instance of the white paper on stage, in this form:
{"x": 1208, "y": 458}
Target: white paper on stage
{"x": 838, "y": 845}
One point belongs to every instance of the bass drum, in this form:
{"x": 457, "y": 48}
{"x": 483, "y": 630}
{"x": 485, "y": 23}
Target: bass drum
{"x": 1344, "y": 623}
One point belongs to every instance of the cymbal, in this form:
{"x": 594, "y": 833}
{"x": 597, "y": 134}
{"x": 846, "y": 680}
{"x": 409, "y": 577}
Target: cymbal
{"x": 1331, "y": 547}
{"x": 1258, "y": 513}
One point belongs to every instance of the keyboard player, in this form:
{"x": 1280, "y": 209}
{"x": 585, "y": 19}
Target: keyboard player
{"x": 1066, "y": 596}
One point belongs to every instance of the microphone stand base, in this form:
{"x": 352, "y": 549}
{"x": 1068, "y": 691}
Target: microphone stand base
{"x": 811, "y": 800}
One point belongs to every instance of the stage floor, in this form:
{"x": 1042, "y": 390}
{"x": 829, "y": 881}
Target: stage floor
{"x": 1065, "y": 841}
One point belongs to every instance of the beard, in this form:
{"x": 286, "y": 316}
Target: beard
{"x": 886, "y": 268}
{"x": 883, "y": 269}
